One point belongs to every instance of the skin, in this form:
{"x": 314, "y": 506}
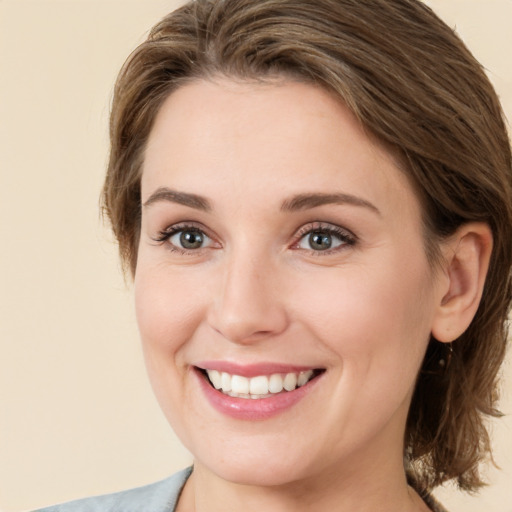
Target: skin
{"x": 257, "y": 292}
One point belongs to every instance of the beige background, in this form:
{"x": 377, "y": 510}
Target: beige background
{"x": 77, "y": 416}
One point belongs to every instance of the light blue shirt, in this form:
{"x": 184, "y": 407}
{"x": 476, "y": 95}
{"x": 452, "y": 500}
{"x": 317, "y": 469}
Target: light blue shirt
{"x": 158, "y": 497}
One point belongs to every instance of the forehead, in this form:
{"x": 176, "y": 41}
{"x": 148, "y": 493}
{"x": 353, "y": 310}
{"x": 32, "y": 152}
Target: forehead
{"x": 245, "y": 136}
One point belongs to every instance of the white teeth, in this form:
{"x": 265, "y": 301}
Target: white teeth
{"x": 239, "y": 384}
{"x": 259, "y": 385}
{"x": 304, "y": 377}
{"x": 215, "y": 378}
{"x": 225, "y": 382}
{"x": 290, "y": 381}
{"x": 275, "y": 383}
{"x": 262, "y": 386}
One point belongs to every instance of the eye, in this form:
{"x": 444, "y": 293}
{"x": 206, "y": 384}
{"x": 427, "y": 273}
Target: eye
{"x": 189, "y": 239}
{"x": 324, "y": 238}
{"x": 184, "y": 238}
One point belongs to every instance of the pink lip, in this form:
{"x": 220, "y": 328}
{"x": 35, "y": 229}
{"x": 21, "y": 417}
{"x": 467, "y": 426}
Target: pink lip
{"x": 253, "y": 409}
{"x": 251, "y": 370}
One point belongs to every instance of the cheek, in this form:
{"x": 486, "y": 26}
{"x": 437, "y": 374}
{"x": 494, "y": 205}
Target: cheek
{"x": 167, "y": 318}
{"x": 166, "y": 308}
{"x": 377, "y": 328}
{"x": 371, "y": 319}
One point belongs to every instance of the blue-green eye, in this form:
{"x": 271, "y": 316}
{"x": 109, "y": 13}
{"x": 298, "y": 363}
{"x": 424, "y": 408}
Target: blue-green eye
{"x": 324, "y": 239}
{"x": 320, "y": 241}
{"x": 183, "y": 238}
{"x": 189, "y": 239}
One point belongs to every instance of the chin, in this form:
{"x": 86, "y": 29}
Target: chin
{"x": 256, "y": 464}
{"x": 258, "y": 473}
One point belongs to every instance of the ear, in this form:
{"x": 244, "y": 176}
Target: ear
{"x": 466, "y": 261}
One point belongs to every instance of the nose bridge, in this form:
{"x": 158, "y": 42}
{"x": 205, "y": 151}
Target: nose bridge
{"x": 248, "y": 306}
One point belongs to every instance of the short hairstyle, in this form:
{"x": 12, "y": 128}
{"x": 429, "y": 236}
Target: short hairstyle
{"x": 414, "y": 85}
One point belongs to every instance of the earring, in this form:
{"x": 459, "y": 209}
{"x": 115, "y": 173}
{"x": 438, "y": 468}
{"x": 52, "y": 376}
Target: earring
{"x": 445, "y": 361}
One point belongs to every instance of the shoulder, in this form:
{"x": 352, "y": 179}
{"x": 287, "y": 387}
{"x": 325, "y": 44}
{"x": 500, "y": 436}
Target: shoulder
{"x": 157, "y": 497}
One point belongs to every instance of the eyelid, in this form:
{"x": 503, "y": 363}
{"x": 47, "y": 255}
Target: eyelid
{"x": 164, "y": 236}
{"x": 345, "y": 235}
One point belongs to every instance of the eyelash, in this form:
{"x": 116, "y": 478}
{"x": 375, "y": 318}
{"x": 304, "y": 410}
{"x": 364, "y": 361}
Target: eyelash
{"x": 346, "y": 237}
{"x": 166, "y": 234}
{"x": 343, "y": 235}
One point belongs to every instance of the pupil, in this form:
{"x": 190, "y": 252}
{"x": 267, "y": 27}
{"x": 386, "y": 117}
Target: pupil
{"x": 191, "y": 240}
{"x": 320, "y": 241}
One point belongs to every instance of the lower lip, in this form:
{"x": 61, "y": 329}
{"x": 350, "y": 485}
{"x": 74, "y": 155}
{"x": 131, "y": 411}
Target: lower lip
{"x": 253, "y": 409}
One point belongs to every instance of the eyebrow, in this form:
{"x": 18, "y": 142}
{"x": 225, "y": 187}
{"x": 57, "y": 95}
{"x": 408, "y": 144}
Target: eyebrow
{"x": 296, "y": 203}
{"x": 184, "y": 198}
{"x": 306, "y": 201}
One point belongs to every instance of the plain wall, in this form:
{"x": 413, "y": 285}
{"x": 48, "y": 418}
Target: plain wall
{"x": 77, "y": 416}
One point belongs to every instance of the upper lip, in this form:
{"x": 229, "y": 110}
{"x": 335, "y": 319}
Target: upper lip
{"x": 254, "y": 369}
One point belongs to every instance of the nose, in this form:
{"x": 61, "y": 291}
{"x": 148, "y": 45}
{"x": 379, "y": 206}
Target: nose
{"x": 249, "y": 305}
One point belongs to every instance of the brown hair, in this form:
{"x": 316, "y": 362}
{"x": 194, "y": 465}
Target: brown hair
{"x": 414, "y": 85}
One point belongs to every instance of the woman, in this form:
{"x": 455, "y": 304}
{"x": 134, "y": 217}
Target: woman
{"x": 314, "y": 200}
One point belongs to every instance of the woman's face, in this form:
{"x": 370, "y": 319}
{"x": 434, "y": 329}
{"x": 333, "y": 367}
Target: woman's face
{"x": 279, "y": 243}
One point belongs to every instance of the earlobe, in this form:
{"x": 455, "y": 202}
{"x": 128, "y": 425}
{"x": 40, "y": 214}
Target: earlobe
{"x": 466, "y": 261}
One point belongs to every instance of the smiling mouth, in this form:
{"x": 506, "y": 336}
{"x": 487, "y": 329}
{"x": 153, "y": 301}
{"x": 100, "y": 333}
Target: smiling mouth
{"x": 261, "y": 386}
